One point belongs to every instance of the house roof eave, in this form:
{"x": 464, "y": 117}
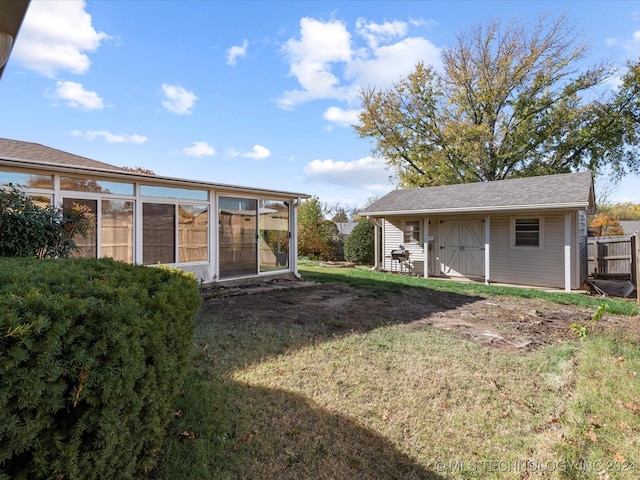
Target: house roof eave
{"x": 485, "y": 210}
{"x": 122, "y": 174}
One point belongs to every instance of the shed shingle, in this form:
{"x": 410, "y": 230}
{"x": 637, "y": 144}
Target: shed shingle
{"x": 570, "y": 190}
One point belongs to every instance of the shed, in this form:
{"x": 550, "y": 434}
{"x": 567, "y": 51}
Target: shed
{"x": 218, "y": 232}
{"x": 527, "y": 231}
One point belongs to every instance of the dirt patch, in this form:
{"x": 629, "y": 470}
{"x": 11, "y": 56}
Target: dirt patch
{"x": 507, "y": 323}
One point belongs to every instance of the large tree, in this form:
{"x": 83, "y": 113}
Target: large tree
{"x": 510, "y": 102}
{"x": 315, "y": 233}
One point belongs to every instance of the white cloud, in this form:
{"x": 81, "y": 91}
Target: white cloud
{"x": 55, "y": 36}
{"x": 386, "y": 64}
{"x": 321, "y": 44}
{"x": 344, "y": 118}
{"x": 368, "y": 172}
{"x": 177, "y": 99}
{"x": 423, "y": 22}
{"x": 199, "y": 149}
{"x": 633, "y": 45}
{"x": 328, "y": 64}
{"x": 110, "y": 137}
{"x": 236, "y": 51}
{"x": 258, "y": 153}
{"x": 75, "y": 96}
{"x": 376, "y": 33}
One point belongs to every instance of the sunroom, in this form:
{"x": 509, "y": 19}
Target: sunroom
{"x": 218, "y": 232}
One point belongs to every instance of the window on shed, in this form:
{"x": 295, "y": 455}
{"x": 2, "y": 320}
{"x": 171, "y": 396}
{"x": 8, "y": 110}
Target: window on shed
{"x": 411, "y": 231}
{"x": 527, "y": 232}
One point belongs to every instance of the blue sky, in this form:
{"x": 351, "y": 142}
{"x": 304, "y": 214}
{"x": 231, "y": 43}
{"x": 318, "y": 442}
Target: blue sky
{"x": 255, "y": 93}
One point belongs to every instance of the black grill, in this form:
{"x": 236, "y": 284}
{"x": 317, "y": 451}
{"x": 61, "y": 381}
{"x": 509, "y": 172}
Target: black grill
{"x": 400, "y": 254}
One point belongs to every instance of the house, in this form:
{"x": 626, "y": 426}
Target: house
{"x": 528, "y": 231}
{"x": 345, "y": 228}
{"x": 218, "y": 232}
{"x": 630, "y": 227}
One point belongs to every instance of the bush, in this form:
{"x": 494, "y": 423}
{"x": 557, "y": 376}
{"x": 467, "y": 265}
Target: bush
{"x": 360, "y": 244}
{"x": 29, "y": 229}
{"x": 92, "y": 357}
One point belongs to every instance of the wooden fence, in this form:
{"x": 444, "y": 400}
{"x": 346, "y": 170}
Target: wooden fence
{"x": 610, "y": 257}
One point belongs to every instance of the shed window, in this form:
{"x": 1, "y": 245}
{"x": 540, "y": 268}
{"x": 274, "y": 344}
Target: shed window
{"x": 527, "y": 232}
{"x": 411, "y": 231}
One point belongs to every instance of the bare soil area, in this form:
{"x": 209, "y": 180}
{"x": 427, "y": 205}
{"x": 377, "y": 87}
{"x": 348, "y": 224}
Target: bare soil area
{"x": 507, "y": 323}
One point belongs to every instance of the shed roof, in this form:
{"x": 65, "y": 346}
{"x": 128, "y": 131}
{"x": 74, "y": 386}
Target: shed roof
{"x": 562, "y": 191}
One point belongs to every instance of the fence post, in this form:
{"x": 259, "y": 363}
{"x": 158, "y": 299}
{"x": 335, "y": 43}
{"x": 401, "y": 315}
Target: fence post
{"x": 635, "y": 255}
{"x": 634, "y": 247}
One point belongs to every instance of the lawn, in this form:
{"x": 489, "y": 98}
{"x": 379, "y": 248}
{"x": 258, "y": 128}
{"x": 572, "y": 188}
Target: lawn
{"x": 400, "y": 400}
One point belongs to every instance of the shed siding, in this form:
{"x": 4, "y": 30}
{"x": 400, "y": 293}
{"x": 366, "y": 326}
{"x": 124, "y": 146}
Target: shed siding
{"x": 543, "y": 267}
{"x": 583, "y": 246}
{"x": 521, "y": 266}
{"x": 434, "y": 253}
{"x": 393, "y": 234}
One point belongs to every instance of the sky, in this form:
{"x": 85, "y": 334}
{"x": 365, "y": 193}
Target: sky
{"x": 254, "y": 93}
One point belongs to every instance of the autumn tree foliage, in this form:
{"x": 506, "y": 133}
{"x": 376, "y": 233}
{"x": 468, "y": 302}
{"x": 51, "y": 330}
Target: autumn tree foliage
{"x": 139, "y": 170}
{"x": 622, "y": 211}
{"x": 510, "y": 102}
{"x": 315, "y": 233}
{"x": 606, "y": 225}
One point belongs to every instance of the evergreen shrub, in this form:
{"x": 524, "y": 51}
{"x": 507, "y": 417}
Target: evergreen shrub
{"x": 31, "y": 229}
{"x": 92, "y": 356}
{"x": 359, "y": 245}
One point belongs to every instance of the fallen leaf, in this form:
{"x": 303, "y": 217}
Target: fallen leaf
{"x": 177, "y": 413}
{"x": 620, "y": 360}
{"x": 635, "y": 408}
{"x": 187, "y": 435}
{"x": 619, "y": 458}
{"x": 591, "y": 435}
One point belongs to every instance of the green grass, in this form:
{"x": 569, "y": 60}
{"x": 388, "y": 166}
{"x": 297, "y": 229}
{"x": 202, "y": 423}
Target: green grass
{"x": 381, "y": 282}
{"x": 287, "y": 401}
{"x": 603, "y": 419}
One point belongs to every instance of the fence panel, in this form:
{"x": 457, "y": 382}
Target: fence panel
{"x": 610, "y": 256}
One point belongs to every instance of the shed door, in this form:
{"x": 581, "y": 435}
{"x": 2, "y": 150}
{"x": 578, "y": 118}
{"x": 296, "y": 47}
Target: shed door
{"x": 462, "y": 248}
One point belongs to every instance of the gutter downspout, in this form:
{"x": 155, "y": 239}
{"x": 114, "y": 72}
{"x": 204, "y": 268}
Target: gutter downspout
{"x": 376, "y": 243}
{"x": 294, "y": 237}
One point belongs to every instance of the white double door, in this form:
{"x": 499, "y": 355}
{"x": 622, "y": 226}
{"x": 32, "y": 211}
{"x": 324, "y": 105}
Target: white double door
{"x": 462, "y": 248}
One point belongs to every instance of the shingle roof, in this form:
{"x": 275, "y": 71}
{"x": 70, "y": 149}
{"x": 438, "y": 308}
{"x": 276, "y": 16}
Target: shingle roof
{"x": 28, "y": 151}
{"x": 570, "y": 190}
{"x": 16, "y": 153}
{"x": 630, "y": 226}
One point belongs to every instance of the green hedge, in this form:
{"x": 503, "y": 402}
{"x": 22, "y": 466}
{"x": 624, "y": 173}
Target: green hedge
{"x": 359, "y": 245}
{"x": 92, "y": 357}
